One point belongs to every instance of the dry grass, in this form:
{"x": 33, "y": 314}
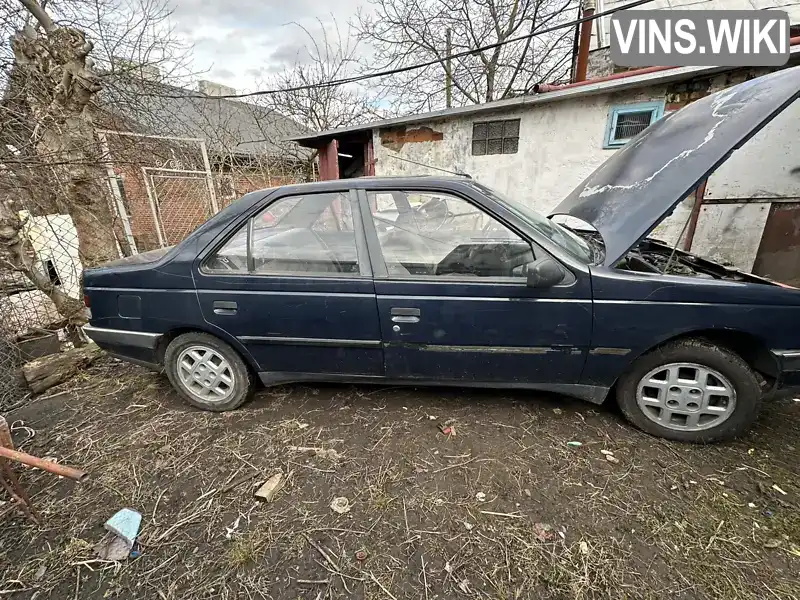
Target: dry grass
{"x": 503, "y": 509}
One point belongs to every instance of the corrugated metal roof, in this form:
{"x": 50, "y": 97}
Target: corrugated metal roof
{"x": 229, "y": 126}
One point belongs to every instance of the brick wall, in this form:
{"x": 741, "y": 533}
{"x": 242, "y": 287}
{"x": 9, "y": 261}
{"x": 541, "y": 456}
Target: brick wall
{"x": 183, "y": 202}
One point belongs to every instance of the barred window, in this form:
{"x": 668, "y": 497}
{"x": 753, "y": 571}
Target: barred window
{"x": 495, "y": 137}
{"x": 627, "y": 121}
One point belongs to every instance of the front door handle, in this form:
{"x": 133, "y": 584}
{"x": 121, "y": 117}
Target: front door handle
{"x": 222, "y": 307}
{"x": 405, "y": 315}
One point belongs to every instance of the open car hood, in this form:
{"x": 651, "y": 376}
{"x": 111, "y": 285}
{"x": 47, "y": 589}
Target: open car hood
{"x": 635, "y": 189}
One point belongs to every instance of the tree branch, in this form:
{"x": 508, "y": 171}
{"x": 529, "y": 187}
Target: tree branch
{"x": 40, "y": 15}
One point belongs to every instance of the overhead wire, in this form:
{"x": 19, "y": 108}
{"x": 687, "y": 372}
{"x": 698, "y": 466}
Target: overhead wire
{"x": 405, "y": 69}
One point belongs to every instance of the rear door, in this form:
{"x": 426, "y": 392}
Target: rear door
{"x": 293, "y": 285}
{"x": 453, "y": 301}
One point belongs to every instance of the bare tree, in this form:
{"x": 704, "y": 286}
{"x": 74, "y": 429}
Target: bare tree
{"x": 52, "y": 85}
{"x": 401, "y": 33}
{"x": 322, "y": 60}
{"x": 307, "y": 94}
{"x": 50, "y": 161}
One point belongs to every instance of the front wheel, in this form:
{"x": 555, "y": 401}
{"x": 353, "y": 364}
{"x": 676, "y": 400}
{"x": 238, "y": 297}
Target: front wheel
{"x": 692, "y": 391}
{"x": 207, "y": 372}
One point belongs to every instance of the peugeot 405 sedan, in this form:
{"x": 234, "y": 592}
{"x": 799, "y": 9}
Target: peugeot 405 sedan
{"x": 429, "y": 280}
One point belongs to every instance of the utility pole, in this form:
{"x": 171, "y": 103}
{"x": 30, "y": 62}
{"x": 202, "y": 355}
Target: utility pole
{"x": 448, "y": 78}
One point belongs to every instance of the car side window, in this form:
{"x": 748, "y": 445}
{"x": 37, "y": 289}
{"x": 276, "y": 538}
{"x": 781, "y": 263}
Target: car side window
{"x": 232, "y": 257}
{"x": 296, "y": 235}
{"x": 435, "y": 234}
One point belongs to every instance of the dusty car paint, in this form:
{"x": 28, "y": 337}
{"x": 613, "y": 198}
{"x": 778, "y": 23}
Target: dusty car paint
{"x": 575, "y": 338}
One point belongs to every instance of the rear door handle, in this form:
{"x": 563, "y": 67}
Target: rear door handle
{"x": 222, "y": 307}
{"x": 405, "y": 312}
{"x": 405, "y": 315}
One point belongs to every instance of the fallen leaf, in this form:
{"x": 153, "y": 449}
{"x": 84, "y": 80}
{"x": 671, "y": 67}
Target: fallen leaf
{"x": 544, "y": 532}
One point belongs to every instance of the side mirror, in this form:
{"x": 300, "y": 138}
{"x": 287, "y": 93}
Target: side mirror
{"x": 545, "y": 273}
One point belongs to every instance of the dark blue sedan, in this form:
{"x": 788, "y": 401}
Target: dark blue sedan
{"x": 443, "y": 281}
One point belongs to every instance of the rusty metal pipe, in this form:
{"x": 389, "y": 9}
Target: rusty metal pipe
{"x": 543, "y": 88}
{"x": 44, "y": 465}
{"x": 582, "y": 63}
{"x": 694, "y": 216}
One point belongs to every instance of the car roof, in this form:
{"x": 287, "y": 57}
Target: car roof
{"x": 372, "y": 182}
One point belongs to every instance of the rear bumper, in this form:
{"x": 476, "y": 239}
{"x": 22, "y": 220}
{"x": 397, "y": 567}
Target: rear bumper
{"x": 138, "y": 347}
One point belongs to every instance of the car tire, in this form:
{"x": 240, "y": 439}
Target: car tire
{"x": 208, "y": 373}
{"x": 657, "y": 394}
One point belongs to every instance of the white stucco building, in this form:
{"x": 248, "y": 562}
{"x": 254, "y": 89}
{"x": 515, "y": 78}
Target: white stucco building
{"x": 537, "y": 148}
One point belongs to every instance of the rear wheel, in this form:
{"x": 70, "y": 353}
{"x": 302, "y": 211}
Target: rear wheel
{"x": 207, "y": 372}
{"x": 692, "y": 391}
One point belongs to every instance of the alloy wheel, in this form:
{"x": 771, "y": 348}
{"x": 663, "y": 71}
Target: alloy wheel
{"x": 686, "y": 396}
{"x": 205, "y": 374}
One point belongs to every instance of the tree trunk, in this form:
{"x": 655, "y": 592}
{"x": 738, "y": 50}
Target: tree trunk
{"x": 43, "y": 373}
{"x": 56, "y": 82}
{"x": 49, "y": 159}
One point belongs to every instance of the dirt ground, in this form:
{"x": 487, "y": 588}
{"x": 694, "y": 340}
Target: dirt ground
{"x": 503, "y": 507}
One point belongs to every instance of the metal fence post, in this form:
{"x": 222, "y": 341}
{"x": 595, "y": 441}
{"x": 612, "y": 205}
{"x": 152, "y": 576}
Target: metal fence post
{"x": 154, "y": 210}
{"x": 209, "y": 177}
{"x": 113, "y": 184}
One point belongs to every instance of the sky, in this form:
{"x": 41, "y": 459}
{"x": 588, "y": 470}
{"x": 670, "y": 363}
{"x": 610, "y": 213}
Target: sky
{"x": 239, "y": 42}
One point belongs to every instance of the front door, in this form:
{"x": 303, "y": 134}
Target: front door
{"x": 294, "y": 286}
{"x": 453, "y": 301}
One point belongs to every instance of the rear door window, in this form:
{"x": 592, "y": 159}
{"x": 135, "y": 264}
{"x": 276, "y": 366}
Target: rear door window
{"x": 295, "y": 235}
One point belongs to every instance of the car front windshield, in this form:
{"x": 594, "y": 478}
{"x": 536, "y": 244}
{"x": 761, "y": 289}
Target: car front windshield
{"x": 561, "y": 236}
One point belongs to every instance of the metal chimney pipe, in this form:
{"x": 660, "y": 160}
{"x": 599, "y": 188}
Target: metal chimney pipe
{"x": 588, "y": 8}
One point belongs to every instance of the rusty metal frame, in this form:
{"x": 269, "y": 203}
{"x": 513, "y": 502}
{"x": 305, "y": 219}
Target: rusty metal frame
{"x": 148, "y": 173}
{"x": 8, "y": 479}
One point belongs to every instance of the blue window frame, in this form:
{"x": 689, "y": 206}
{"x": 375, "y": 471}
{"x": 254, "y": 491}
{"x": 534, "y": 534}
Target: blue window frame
{"x": 625, "y": 121}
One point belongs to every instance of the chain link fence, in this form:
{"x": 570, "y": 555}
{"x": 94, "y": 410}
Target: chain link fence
{"x": 52, "y": 243}
{"x": 165, "y": 187}
{"x": 11, "y": 387}
{"x": 30, "y": 323}
{"x": 161, "y": 188}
